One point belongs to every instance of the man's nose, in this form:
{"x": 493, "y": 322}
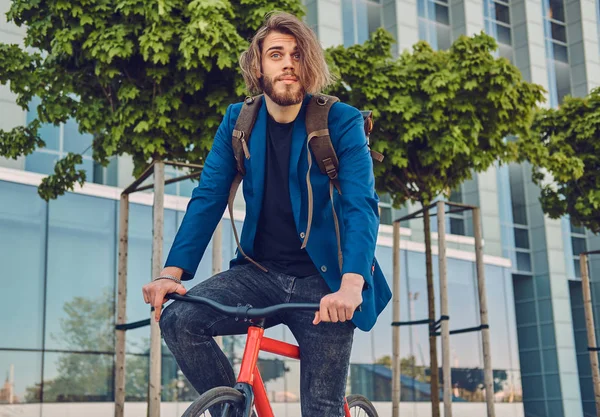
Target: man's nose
{"x": 288, "y": 62}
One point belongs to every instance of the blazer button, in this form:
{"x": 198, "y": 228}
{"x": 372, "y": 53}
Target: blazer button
{"x": 324, "y": 268}
{"x": 302, "y": 235}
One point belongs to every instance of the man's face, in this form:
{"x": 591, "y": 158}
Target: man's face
{"x": 281, "y": 69}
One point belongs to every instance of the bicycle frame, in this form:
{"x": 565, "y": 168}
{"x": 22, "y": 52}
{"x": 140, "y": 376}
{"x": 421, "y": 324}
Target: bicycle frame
{"x": 249, "y": 380}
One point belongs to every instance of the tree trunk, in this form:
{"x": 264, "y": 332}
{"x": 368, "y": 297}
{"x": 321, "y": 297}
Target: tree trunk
{"x": 435, "y": 379}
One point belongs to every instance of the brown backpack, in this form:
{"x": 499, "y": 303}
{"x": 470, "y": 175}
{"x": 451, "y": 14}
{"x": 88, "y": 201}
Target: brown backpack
{"x": 317, "y": 114}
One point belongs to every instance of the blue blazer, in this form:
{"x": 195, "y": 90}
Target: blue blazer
{"x": 356, "y": 207}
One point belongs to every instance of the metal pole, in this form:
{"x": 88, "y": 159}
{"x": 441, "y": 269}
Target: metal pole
{"x": 445, "y": 324}
{"x": 396, "y": 329}
{"x": 121, "y": 306}
{"x": 485, "y": 333}
{"x": 217, "y": 262}
{"x": 157, "y": 244}
{"x": 589, "y": 324}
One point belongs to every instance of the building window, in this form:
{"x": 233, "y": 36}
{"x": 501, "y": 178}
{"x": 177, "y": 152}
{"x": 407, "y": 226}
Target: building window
{"x": 520, "y": 248}
{"x": 360, "y": 18}
{"x": 385, "y": 209}
{"x": 497, "y": 24}
{"x": 557, "y": 53}
{"x": 60, "y": 140}
{"x": 434, "y": 23}
{"x": 578, "y": 245}
{"x": 455, "y": 222}
{"x": 311, "y": 15}
{"x": 182, "y": 188}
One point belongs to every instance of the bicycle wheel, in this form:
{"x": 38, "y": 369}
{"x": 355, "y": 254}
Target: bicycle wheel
{"x": 360, "y": 407}
{"x": 212, "y": 404}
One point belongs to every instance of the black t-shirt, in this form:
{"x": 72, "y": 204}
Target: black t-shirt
{"x": 277, "y": 242}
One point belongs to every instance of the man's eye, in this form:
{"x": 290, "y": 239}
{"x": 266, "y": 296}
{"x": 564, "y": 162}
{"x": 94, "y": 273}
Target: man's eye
{"x": 276, "y": 55}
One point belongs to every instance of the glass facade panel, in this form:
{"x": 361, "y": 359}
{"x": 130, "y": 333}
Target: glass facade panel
{"x": 40, "y": 162}
{"x": 348, "y": 22}
{"x": 136, "y": 377}
{"x": 48, "y": 132}
{"x": 559, "y": 32}
{"x": 21, "y": 374}
{"x": 60, "y": 140}
{"x": 75, "y": 141}
{"x": 577, "y": 267}
{"x": 563, "y": 80}
{"x": 501, "y": 319}
{"x": 556, "y": 10}
{"x": 81, "y": 273}
{"x": 556, "y": 51}
{"x": 78, "y": 377}
{"x": 81, "y": 277}
{"x": 502, "y": 13}
{"x": 504, "y": 35}
{"x": 457, "y": 227}
{"x": 441, "y": 14}
{"x": 360, "y": 18}
{"x": 23, "y": 258}
{"x": 139, "y": 269}
{"x": 444, "y": 36}
{"x": 497, "y": 24}
{"x": 186, "y": 187}
{"x": 517, "y": 194}
{"x": 579, "y": 245}
{"x": 524, "y": 261}
{"x": 560, "y": 53}
{"x": 521, "y": 238}
{"x": 434, "y": 24}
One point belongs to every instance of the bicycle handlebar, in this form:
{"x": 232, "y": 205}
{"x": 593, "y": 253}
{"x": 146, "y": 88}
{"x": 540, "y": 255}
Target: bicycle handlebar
{"x": 246, "y": 311}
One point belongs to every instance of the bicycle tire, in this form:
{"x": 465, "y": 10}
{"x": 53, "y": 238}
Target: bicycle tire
{"x": 214, "y": 398}
{"x": 358, "y": 403}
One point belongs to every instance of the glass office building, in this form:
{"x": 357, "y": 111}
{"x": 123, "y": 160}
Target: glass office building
{"x": 59, "y": 259}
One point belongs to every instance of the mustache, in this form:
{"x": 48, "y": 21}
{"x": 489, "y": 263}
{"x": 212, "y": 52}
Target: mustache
{"x": 287, "y": 74}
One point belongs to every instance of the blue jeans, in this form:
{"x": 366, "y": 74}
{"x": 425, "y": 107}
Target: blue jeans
{"x": 188, "y": 330}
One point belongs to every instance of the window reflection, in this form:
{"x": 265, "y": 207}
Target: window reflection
{"x": 21, "y": 382}
{"x": 139, "y": 268}
{"x": 81, "y": 271}
{"x": 78, "y": 377}
{"x": 360, "y": 18}
{"x": 22, "y": 255}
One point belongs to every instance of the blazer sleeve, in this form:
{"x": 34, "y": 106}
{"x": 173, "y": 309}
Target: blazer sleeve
{"x": 207, "y": 204}
{"x": 359, "y": 199}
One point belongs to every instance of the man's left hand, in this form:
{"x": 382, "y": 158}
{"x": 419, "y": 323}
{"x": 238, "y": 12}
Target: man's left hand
{"x": 340, "y": 305}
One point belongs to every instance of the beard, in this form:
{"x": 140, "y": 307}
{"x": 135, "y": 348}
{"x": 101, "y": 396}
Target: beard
{"x": 292, "y": 94}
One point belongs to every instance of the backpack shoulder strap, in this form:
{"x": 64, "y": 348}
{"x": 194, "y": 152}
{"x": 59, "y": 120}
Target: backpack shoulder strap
{"x": 239, "y": 142}
{"x": 243, "y": 128}
{"x": 317, "y": 114}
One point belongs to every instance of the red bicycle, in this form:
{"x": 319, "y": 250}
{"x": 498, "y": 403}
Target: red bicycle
{"x": 249, "y": 393}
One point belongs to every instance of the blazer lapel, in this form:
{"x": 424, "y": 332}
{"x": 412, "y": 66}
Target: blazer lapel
{"x": 255, "y": 187}
{"x": 299, "y": 136}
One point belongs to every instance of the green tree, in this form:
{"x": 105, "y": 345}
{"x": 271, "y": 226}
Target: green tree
{"x": 565, "y": 143}
{"x": 440, "y": 116}
{"x": 148, "y": 79}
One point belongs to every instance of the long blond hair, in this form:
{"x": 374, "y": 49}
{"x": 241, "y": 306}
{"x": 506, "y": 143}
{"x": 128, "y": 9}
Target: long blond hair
{"x": 315, "y": 73}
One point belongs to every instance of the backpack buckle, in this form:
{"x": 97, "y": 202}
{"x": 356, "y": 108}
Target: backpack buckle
{"x": 330, "y": 168}
{"x": 249, "y": 100}
{"x": 321, "y": 101}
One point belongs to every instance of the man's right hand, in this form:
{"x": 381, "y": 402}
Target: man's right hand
{"x": 155, "y": 292}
